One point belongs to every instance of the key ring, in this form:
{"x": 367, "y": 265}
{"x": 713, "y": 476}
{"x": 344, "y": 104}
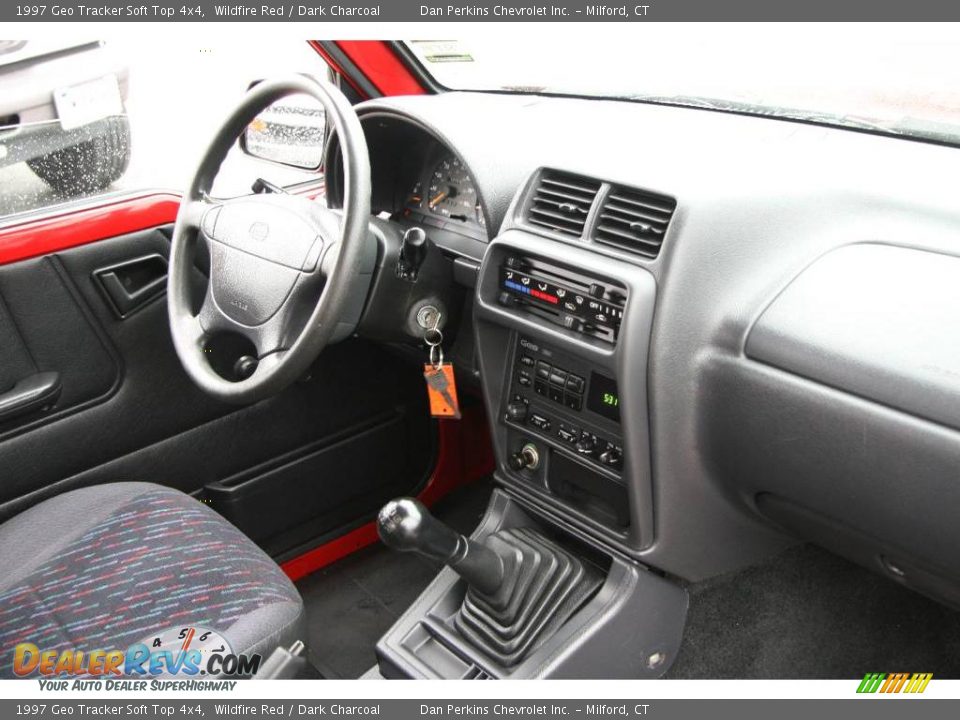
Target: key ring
{"x": 436, "y": 350}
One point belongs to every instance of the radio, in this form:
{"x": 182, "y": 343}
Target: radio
{"x": 563, "y": 296}
{"x": 562, "y": 398}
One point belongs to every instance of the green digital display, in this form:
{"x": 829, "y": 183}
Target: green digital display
{"x": 602, "y": 396}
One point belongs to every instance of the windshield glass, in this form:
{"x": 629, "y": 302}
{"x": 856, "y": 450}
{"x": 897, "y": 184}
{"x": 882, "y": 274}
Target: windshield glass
{"x": 851, "y": 78}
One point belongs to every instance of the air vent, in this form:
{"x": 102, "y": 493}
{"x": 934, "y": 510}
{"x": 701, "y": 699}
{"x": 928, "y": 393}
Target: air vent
{"x": 634, "y": 221}
{"x": 561, "y": 202}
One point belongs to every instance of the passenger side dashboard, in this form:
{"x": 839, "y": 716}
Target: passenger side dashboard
{"x": 718, "y": 427}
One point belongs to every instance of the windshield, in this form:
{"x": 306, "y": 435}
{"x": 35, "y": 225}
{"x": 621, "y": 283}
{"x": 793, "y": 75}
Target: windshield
{"x": 876, "y": 83}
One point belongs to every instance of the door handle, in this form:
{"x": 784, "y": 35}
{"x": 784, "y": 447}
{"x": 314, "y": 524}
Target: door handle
{"x": 131, "y": 285}
{"x": 31, "y": 393}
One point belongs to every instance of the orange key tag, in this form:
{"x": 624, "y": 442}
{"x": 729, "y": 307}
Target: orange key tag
{"x": 442, "y": 390}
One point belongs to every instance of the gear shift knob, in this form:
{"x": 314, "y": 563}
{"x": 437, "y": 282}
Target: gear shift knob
{"x": 405, "y": 524}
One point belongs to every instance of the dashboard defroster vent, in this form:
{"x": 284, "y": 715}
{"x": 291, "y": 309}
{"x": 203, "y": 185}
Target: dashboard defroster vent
{"x": 562, "y": 202}
{"x": 634, "y": 221}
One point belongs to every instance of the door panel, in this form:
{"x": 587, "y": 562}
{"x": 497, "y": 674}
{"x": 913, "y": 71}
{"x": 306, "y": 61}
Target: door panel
{"x": 127, "y": 410}
{"x": 48, "y": 328}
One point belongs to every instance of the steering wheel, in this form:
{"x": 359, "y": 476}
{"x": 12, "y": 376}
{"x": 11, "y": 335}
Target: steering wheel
{"x": 270, "y": 257}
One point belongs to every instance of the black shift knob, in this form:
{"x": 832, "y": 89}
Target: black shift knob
{"x": 405, "y": 524}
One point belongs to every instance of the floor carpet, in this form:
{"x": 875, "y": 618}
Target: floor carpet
{"x": 810, "y": 614}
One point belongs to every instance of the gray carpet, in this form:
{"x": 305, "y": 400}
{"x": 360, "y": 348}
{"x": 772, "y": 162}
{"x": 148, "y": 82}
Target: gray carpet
{"x": 810, "y": 614}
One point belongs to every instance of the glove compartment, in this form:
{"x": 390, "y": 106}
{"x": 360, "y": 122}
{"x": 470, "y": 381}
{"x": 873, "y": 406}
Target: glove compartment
{"x": 842, "y": 423}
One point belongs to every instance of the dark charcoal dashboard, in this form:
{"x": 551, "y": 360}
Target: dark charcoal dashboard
{"x": 669, "y": 322}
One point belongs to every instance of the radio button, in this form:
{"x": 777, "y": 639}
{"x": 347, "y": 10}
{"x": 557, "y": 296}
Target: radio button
{"x": 575, "y": 383}
{"x": 555, "y": 394}
{"x": 587, "y": 445}
{"x": 540, "y": 422}
{"x": 574, "y": 402}
{"x": 524, "y": 378}
{"x": 526, "y": 360}
{"x": 543, "y": 370}
{"x": 540, "y": 387}
{"x": 568, "y": 433}
{"x": 558, "y": 377}
{"x": 612, "y": 457}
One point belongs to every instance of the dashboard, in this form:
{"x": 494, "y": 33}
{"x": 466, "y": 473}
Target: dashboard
{"x": 754, "y": 408}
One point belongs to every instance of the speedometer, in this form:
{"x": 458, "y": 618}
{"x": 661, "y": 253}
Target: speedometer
{"x": 451, "y": 192}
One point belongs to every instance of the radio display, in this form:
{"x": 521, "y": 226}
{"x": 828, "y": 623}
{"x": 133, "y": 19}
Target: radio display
{"x": 603, "y": 397}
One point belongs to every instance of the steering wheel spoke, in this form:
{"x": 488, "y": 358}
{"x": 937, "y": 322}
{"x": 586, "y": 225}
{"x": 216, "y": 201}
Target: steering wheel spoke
{"x": 192, "y": 212}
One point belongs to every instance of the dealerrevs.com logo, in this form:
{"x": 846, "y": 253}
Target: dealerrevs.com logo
{"x": 183, "y": 652}
{"x": 888, "y": 683}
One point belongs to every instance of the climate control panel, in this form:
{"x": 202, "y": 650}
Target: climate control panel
{"x": 563, "y": 296}
{"x": 559, "y": 397}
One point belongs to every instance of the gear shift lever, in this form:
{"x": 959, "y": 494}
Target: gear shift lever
{"x": 406, "y": 525}
{"x": 521, "y": 586}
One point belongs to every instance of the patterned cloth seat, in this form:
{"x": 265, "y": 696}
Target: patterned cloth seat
{"x": 109, "y": 566}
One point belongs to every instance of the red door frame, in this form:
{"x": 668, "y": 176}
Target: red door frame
{"x": 382, "y": 69}
{"x": 73, "y": 226}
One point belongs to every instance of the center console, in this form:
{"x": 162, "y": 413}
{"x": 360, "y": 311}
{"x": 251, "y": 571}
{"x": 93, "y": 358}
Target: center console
{"x": 562, "y": 333}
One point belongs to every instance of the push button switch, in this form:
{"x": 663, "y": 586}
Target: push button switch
{"x": 543, "y": 370}
{"x": 540, "y": 422}
{"x": 575, "y": 383}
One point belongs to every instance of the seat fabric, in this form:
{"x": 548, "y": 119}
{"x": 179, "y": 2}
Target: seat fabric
{"x": 105, "y": 567}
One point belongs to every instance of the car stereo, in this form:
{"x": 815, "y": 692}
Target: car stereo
{"x": 563, "y": 296}
{"x": 557, "y": 396}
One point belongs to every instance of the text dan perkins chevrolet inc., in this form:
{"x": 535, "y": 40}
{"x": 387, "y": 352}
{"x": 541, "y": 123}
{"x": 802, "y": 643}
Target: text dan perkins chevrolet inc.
{"x": 477, "y": 11}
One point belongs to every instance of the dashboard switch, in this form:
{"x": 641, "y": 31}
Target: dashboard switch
{"x": 540, "y": 422}
{"x": 543, "y": 370}
{"x": 517, "y": 411}
{"x": 611, "y": 457}
{"x": 413, "y": 250}
{"x": 587, "y": 445}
